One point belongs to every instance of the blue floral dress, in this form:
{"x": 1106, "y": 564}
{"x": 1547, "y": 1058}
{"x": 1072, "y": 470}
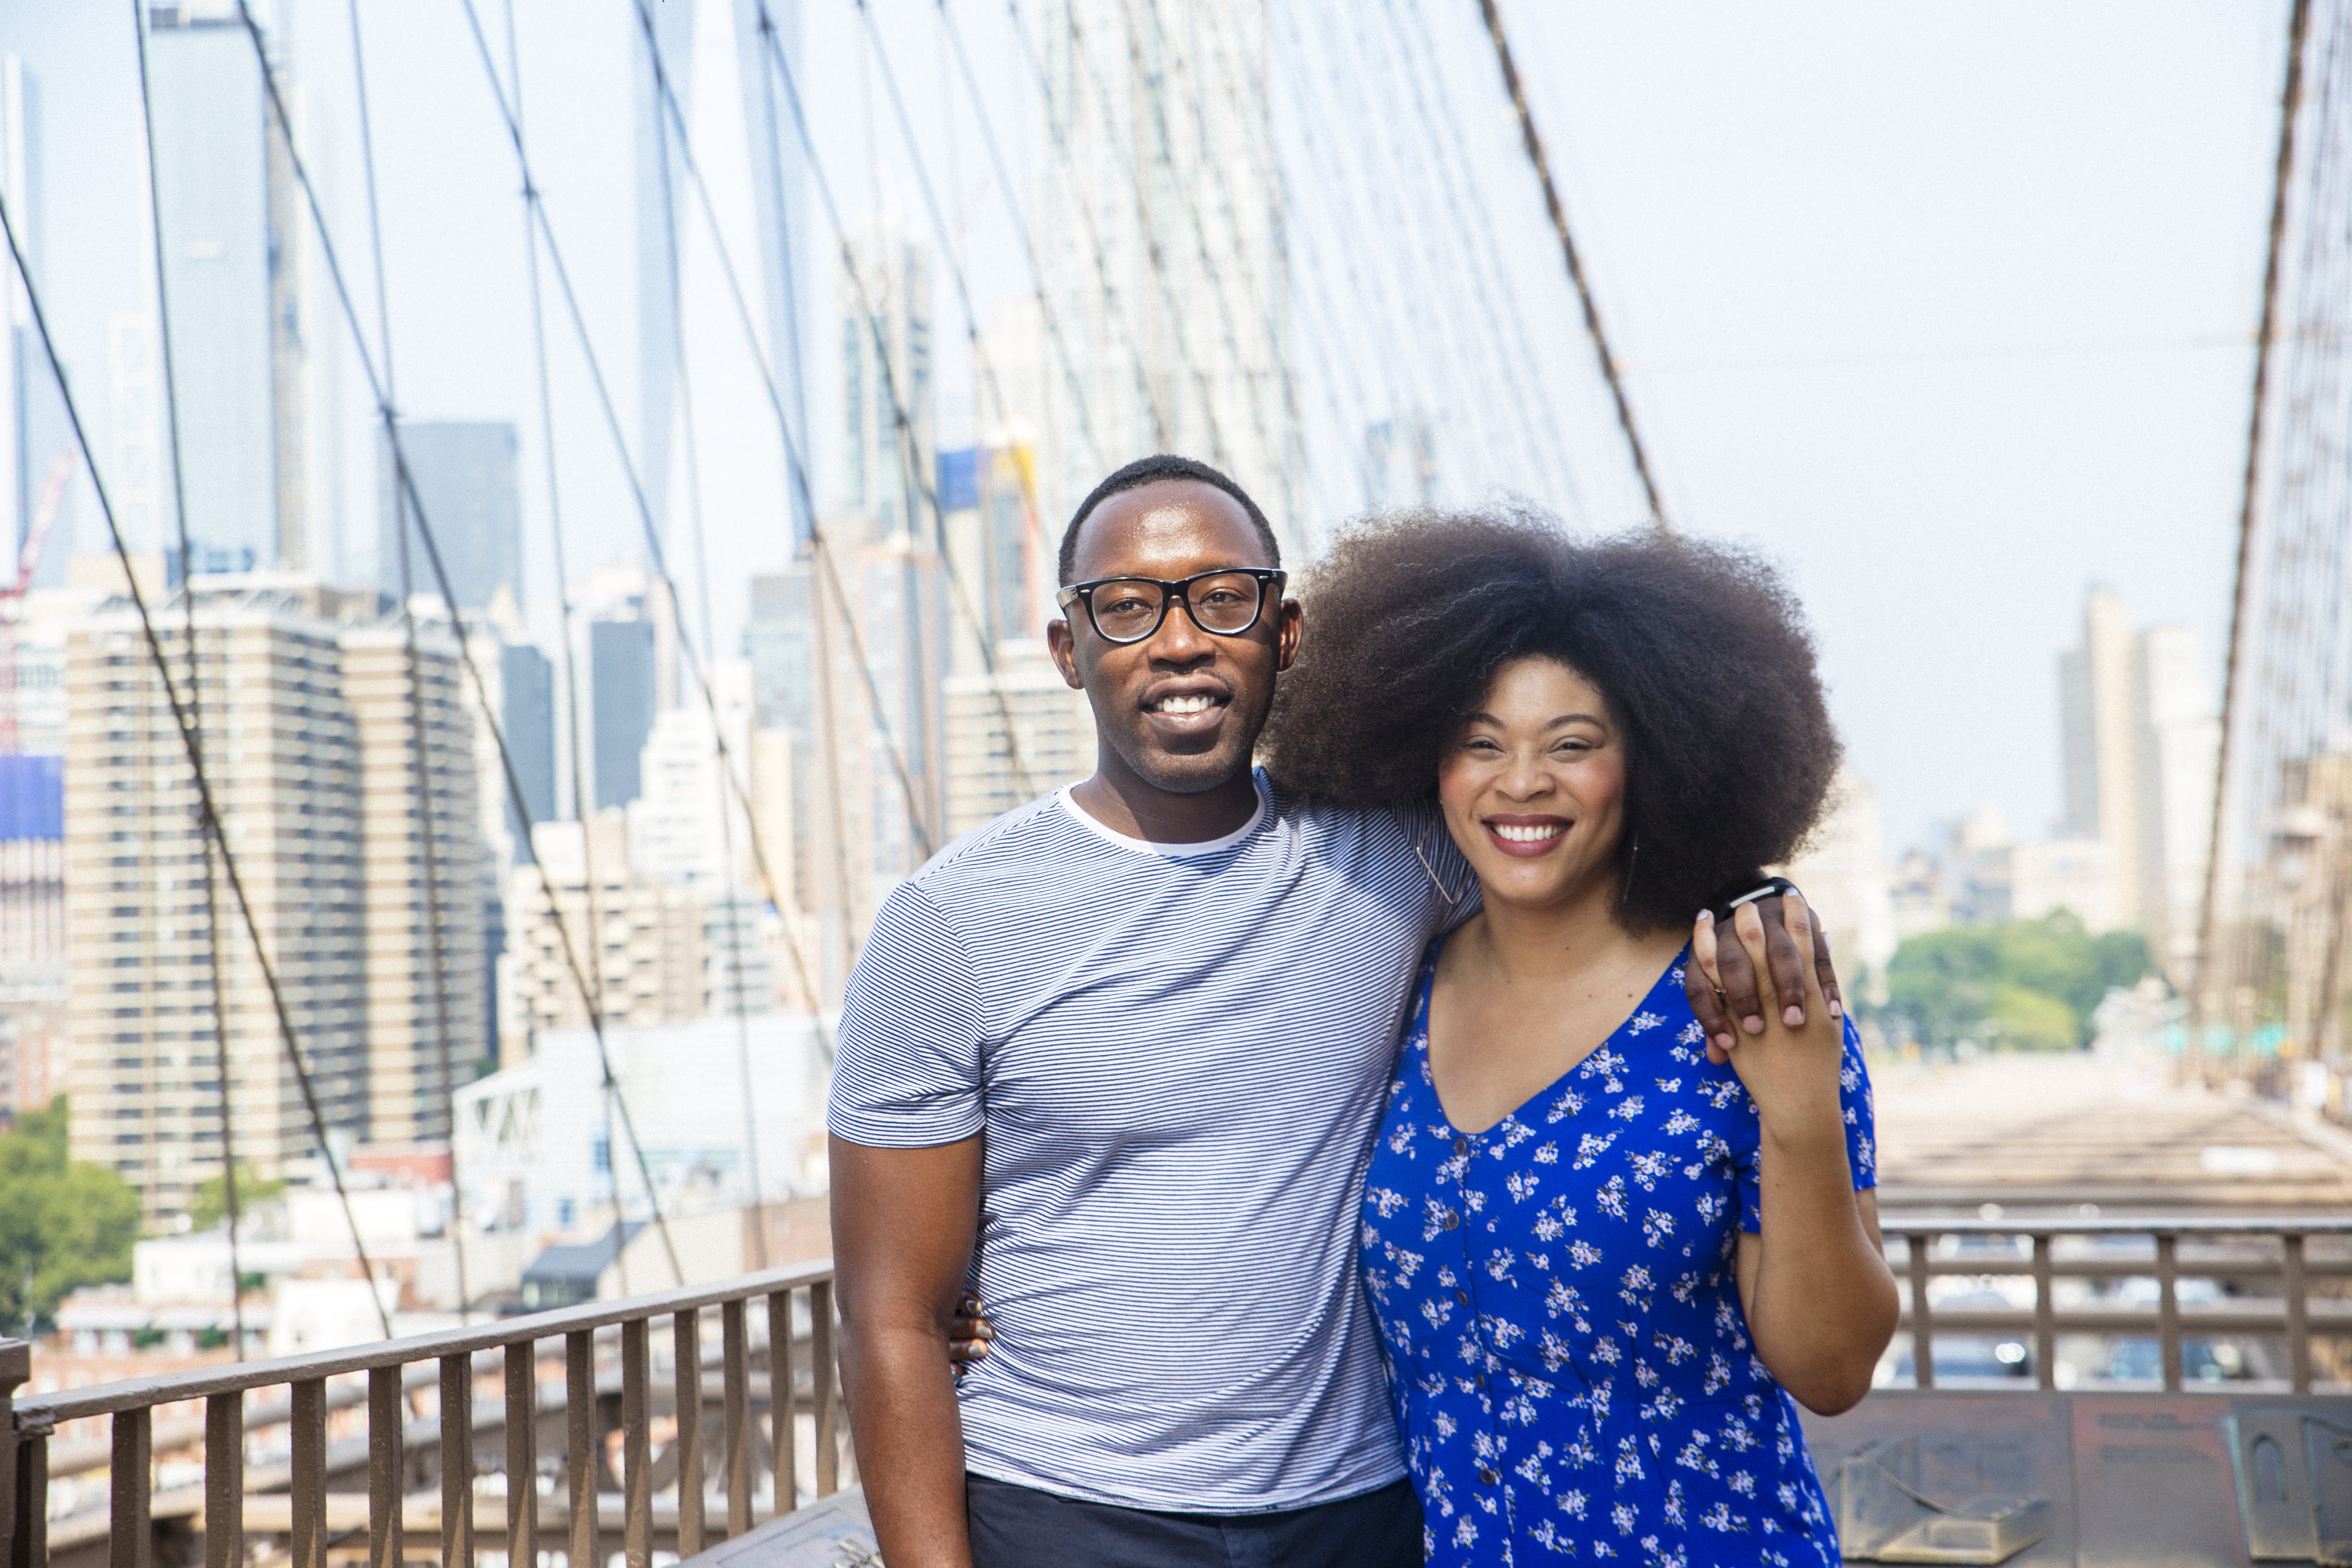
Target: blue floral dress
{"x": 1558, "y": 1307}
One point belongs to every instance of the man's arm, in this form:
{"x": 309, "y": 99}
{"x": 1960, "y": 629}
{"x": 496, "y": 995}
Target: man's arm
{"x": 904, "y": 1222}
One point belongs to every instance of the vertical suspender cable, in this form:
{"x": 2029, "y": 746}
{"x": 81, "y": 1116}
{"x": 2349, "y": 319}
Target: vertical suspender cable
{"x": 2290, "y": 107}
{"x": 1575, "y": 265}
{"x": 207, "y": 829}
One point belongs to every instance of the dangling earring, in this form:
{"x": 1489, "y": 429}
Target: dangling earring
{"x": 1452, "y": 899}
{"x": 1625, "y": 884}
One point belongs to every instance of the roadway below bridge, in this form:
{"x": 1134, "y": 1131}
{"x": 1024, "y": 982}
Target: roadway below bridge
{"x": 2045, "y": 1135}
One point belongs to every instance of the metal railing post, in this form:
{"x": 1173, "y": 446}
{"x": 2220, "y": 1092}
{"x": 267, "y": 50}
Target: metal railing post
{"x": 1923, "y": 1326}
{"x": 735, "y": 1448}
{"x": 2046, "y": 1318}
{"x": 637, "y": 1446}
{"x": 224, "y": 1481}
{"x": 130, "y": 1540}
{"x": 2167, "y": 1309}
{"x": 2295, "y": 1288}
{"x": 15, "y": 1367}
{"x": 307, "y": 1430}
{"x": 580, "y": 1443}
{"x": 458, "y": 1461}
{"x": 523, "y": 1454}
{"x": 823, "y": 1380}
{"x": 686, "y": 1356}
{"x": 783, "y": 1412}
{"x": 387, "y": 1465}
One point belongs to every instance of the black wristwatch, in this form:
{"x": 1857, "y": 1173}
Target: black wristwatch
{"x": 1768, "y": 888}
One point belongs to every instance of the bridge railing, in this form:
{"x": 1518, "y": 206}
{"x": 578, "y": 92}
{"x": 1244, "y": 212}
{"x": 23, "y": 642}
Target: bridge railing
{"x": 792, "y": 1374}
{"x": 2263, "y": 1271}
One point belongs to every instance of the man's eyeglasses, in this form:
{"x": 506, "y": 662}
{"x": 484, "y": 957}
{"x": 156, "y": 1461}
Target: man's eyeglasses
{"x": 1227, "y": 602}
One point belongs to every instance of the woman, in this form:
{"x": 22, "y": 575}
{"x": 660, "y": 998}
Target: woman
{"x": 1603, "y": 1251}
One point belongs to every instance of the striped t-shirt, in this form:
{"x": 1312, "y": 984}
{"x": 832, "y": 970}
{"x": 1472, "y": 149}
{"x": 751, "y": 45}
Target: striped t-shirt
{"x": 1179, "y": 1055}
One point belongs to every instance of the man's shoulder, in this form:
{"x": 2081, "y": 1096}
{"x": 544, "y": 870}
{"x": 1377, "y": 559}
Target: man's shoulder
{"x": 1370, "y": 829}
{"x": 1026, "y": 842}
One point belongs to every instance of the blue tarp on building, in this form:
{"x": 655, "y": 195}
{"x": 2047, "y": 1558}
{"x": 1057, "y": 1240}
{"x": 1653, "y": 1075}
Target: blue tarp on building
{"x": 32, "y": 797}
{"x": 959, "y": 479}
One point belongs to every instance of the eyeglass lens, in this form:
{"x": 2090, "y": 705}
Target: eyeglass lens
{"x": 1129, "y": 610}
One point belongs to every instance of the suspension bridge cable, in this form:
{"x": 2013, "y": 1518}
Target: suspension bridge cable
{"x": 1369, "y": 282}
{"x": 1250, "y": 280}
{"x": 1528, "y": 401}
{"x": 193, "y": 745}
{"x": 1006, "y": 188}
{"x": 206, "y": 827}
{"x": 1535, "y": 149}
{"x": 2291, "y": 101}
{"x": 644, "y": 514}
{"x": 1481, "y": 210}
{"x": 1458, "y": 385}
{"x": 735, "y": 972}
{"x": 406, "y": 485}
{"x": 922, "y": 483}
{"x": 436, "y": 954}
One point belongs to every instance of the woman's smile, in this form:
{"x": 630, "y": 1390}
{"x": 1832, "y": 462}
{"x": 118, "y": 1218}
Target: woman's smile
{"x": 1516, "y": 833}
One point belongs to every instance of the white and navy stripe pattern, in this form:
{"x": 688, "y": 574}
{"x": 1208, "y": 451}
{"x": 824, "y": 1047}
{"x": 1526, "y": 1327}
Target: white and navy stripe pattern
{"x": 1179, "y": 1055}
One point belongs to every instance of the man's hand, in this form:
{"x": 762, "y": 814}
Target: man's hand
{"x": 1721, "y": 982}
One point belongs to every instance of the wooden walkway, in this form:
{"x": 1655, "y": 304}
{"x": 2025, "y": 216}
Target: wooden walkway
{"x": 2044, "y": 1134}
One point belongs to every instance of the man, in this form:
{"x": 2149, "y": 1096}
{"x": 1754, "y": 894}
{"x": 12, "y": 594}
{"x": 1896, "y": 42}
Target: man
{"x": 1117, "y": 1060}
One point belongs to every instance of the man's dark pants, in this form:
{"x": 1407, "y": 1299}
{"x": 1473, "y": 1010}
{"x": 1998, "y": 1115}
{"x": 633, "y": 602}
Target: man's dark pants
{"x": 1018, "y": 1526}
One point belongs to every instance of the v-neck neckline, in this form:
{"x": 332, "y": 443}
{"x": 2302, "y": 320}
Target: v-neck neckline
{"x": 1421, "y": 1027}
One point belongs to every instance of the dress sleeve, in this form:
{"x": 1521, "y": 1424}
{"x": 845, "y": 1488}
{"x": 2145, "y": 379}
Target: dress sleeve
{"x": 1861, "y": 1135}
{"x": 907, "y": 1071}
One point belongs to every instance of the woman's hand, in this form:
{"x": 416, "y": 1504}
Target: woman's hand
{"x": 969, "y": 1332}
{"x": 1726, "y": 986}
{"x": 1789, "y": 1066}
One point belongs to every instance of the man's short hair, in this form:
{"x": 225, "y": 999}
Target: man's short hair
{"x": 1163, "y": 468}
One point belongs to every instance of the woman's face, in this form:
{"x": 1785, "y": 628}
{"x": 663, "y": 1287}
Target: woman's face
{"x": 1533, "y": 785}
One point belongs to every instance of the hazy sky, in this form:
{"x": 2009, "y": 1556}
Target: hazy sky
{"x": 1947, "y": 307}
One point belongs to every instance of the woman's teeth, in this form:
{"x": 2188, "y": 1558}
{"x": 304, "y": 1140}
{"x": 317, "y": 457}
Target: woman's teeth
{"x": 1197, "y": 703}
{"x": 1518, "y": 834}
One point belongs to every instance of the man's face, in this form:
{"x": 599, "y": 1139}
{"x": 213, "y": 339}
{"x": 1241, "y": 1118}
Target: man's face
{"x": 1170, "y": 531}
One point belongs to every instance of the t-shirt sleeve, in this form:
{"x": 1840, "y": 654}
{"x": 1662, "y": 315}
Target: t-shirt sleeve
{"x": 1861, "y": 1135}
{"x": 906, "y": 1074}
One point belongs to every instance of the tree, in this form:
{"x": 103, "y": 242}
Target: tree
{"x": 64, "y": 1223}
{"x": 2026, "y": 985}
{"x": 211, "y": 1205}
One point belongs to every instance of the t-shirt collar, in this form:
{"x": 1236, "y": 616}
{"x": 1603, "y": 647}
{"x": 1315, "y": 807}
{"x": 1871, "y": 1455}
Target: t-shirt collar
{"x": 1170, "y": 851}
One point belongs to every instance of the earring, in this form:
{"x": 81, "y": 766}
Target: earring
{"x": 1625, "y": 884}
{"x": 1452, "y": 899}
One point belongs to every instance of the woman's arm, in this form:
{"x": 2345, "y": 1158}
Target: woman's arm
{"x": 1820, "y": 1300}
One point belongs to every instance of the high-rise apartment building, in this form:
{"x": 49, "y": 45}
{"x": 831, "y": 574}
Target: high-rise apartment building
{"x": 421, "y": 869}
{"x": 527, "y": 708}
{"x": 636, "y": 941}
{"x": 2098, "y": 695}
{"x": 230, "y": 241}
{"x": 282, "y": 750}
{"x": 464, "y": 475}
{"x": 310, "y": 725}
{"x": 1051, "y": 742}
{"x": 33, "y": 1036}
{"x": 1163, "y": 249}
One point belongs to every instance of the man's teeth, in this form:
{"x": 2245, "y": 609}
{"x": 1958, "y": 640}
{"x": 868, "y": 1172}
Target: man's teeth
{"x": 1196, "y": 703}
{"x": 1518, "y": 834}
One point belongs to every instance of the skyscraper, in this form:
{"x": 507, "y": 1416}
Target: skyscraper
{"x": 1162, "y": 245}
{"x": 464, "y": 474}
{"x": 2140, "y": 735}
{"x": 34, "y": 430}
{"x": 527, "y": 701}
{"x": 2099, "y": 722}
{"x": 423, "y": 939}
{"x": 620, "y": 693}
{"x": 886, "y": 369}
{"x": 146, "y": 1064}
{"x": 230, "y": 240}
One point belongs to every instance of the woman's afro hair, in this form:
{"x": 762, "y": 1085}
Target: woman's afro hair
{"x": 1699, "y": 649}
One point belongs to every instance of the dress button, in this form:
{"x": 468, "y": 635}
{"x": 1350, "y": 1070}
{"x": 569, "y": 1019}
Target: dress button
{"x": 1463, "y": 1296}
{"x": 1451, "y": 1221}
{"x": 1461, "y": 1145}
{"x": 1487, "y": 1477}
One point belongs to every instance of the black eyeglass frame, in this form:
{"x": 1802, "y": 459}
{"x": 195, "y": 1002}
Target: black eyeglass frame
{"x": 1267, "y": 578}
